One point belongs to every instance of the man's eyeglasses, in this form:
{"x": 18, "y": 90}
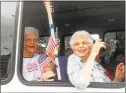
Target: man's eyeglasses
{"x": 31, "y": 40}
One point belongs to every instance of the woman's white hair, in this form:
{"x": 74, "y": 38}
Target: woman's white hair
{"x": 78, "y": 34}
{"x": 30, "y": 30}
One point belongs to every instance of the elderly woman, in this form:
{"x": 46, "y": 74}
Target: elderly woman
{"x": 32, "y": 68}
{"x": 82, "y": 67}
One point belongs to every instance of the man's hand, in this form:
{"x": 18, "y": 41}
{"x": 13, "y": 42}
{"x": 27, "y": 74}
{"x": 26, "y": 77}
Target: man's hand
{"x": 97, "y": 46}
{"x": 120, "y": 73}
{"x": 48, "y": 76}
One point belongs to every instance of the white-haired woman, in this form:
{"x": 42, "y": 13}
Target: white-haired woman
{"x": 33, "y": 60}
{"x": 82, "y": 67}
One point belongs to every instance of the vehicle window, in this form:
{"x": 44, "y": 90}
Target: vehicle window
{"x": 40, "y": 49}
{"x": 67, "y": 39}
{"x": 7, "y": 36}
{"x": 115, "y": 51}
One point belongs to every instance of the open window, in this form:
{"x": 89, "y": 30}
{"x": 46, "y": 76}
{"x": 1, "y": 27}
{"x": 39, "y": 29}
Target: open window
{"x": 67, "y": 16}
{"x": 8, "y": 40}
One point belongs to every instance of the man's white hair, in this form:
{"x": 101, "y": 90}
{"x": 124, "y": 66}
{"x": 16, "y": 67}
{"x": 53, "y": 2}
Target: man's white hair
{"x": 78, "y": 34}
{"x": 30, "y": 30}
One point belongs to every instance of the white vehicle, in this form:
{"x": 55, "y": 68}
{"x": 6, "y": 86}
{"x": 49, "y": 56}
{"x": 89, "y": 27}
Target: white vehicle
{"x": 105, "y": 20}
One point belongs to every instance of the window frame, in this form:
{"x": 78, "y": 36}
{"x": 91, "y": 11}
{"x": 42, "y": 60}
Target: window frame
{"x": 11, "y": 62}
{"x": 54, "y": 83}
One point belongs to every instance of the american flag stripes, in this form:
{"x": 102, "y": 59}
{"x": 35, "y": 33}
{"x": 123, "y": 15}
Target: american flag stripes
{"x": 51, "y": 44}
{"x": 43, "y": 64}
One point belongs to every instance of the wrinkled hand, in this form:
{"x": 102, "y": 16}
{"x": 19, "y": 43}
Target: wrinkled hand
{"x": 120, "y": 72}
{"x": 51, "y": 55}
{"x": 97, "y": 46}
{"x": 48, "y": 76}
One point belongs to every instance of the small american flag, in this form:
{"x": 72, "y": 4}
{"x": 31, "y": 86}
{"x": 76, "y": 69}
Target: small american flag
{"x": 46, "y": 4}
{"x": 51, "y": 44}
{"x": 43, "y": 61}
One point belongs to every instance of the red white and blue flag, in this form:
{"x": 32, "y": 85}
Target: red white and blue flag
{"x": 43, "y": 64}
{"x": 52, "y": 40}
{"x": 43, "y": 61}
{"x": 51, "y": 44}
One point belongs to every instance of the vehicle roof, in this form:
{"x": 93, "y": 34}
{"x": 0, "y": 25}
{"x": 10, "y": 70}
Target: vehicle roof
{"x": 71, "y": 16}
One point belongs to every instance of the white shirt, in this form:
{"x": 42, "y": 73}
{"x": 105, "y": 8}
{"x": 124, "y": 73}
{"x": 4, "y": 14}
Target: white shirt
{"x": 31, "y": 69}
{"x": 77, "y": 78}
{"x": 98, "y": 73}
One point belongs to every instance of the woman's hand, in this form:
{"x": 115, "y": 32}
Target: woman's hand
{"x": 120, "y": 73}
{"x": 48, "y": 76}
{"x": 97, "y": 46}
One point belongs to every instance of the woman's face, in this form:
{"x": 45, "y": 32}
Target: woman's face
{"x": 30, "y": 43}
{"x": 81, "y": 46}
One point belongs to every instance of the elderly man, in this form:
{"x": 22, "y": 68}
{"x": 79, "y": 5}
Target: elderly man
{"x": 82, "y": 67}
{"x": 32, "y": 59}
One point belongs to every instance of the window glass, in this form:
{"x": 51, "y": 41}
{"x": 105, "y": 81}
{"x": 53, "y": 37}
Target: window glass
{"x": 7, "y": 34}
{"x": 115, "y": 51}
{"x": 114, "y": 40}
{"x": 67, "y": 39}
{"x": 43, "y": 42}
{"x": 110, "y": 39}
